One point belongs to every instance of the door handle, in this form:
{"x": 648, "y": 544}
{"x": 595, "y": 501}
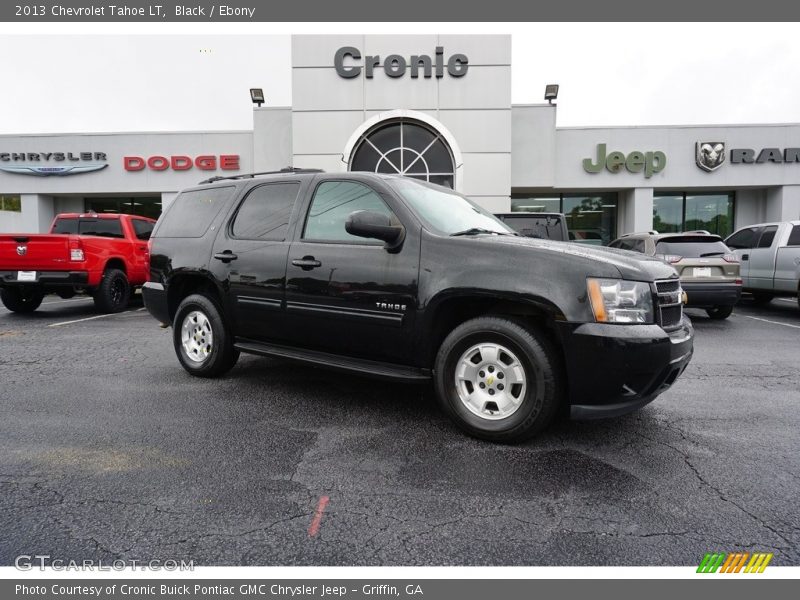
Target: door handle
{"x": 306, "y": 263}
{"x": 226, "y": 256}
{"x": 745, "y": 257}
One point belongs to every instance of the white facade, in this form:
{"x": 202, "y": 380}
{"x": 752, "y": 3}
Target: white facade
{"x": 498, "y": 151}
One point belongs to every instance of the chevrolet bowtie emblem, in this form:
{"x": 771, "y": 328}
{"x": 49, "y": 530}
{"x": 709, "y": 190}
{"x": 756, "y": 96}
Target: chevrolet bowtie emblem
{"x": 490, "y": 381}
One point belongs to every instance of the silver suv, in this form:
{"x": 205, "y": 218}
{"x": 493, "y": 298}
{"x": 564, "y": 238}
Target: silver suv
{"x": 708, "y": 269}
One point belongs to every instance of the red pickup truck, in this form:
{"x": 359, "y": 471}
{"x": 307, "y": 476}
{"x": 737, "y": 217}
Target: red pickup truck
{"x": 103, "y": 255}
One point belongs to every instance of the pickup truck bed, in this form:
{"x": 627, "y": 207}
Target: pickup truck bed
{"x": 770, "y": 259}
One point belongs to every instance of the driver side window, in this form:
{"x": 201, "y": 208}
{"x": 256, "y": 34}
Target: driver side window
{"x": 332, "y": 203}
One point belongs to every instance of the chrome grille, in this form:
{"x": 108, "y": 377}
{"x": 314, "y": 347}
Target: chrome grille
{"x": 669, "y": 308}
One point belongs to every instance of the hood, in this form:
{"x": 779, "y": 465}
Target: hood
{"x": 630, "y": 265}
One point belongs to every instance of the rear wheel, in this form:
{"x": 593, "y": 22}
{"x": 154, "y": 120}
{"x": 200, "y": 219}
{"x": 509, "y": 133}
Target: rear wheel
{"x": 202, "y": 339}
{"x": 720, "y": 312}
{"x": 498, "y": 380}
{"x": 113, "y": 293}
{"x": 21, "y": 300}
{"x": 762, "y": 298}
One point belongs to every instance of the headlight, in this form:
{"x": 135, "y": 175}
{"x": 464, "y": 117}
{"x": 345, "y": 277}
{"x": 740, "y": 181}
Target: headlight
{"x": 620, "y": 301}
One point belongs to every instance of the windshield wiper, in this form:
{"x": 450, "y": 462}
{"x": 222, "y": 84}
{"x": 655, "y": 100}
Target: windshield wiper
{"x": 478, "y": 230}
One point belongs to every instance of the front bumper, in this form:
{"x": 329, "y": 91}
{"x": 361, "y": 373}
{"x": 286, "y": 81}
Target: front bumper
{"x": 47, "y": 279}
{"x": 615, "y": 369}
{"x": 708, "y": 295}
{"x": 155, "y": 301}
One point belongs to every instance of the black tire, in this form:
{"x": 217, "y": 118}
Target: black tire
{"x": 222, "y": 355}
{"x": 113, "y": 293}
{"x": 21, "y": 300}
{"x": 543, "y": 392}
{"x": 719, "y": 312}
{"x": 762, "y": 298}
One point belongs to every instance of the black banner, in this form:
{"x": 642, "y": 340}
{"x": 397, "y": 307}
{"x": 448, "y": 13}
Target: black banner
{"x": 405, "y": 589}
{"x": 238, "y": 11}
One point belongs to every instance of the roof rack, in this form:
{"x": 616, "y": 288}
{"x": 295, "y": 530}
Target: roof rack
{"x": 251, "y": 175}
{"x": 639, "y": 233}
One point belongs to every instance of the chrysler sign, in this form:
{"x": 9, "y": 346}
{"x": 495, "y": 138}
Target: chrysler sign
{"x": 44, "y": 164}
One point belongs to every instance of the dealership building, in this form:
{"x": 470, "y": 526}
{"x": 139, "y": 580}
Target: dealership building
{"x": 434, "y": 107}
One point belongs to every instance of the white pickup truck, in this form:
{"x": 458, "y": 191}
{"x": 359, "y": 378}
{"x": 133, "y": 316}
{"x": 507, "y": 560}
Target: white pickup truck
{"x": 770, "y": 259}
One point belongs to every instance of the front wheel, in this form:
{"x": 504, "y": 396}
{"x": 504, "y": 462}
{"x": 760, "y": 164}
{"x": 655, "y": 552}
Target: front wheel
{"x": 202, "y": 341}
{"x": 21, "y": 300}
{"x": 720, "y": 312}
{"x": 499, "y": 381}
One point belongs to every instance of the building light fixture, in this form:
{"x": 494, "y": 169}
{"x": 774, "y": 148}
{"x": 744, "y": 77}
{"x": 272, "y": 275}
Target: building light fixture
{"x": 257, "y": 96}
{"x": 551, "y": 92}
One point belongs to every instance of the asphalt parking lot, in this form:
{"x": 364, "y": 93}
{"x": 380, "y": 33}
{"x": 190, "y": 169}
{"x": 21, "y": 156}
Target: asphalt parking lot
{"x": 109, "y": 450}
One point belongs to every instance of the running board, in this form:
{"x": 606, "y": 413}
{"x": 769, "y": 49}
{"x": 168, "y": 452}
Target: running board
{"x": 360, "y": 366}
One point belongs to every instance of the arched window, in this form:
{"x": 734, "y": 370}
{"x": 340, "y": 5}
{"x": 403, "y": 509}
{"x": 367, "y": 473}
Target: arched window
{"x": 406, "y": 147}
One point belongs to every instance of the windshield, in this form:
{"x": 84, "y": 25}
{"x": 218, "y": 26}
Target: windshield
{"x": 692, "y": 247}
{"x": 446, "y": 211}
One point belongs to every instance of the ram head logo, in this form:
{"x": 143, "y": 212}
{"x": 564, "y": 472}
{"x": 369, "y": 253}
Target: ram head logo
{"x": 22, "y": 250}
{"x": 710, "y": 155}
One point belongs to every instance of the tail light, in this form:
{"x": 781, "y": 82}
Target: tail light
{"x": 731, "y": 258}
{"x": 738, "y": 282}
{"x": 670, "y": 258}
{"x": 76, "y": 250}
{"x": 150, "y": 275}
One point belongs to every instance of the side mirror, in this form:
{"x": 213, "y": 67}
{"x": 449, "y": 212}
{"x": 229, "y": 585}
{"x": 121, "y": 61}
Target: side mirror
{"x": 375, "y": 225}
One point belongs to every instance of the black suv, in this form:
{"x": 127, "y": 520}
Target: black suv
{"x": 399, "y": 279}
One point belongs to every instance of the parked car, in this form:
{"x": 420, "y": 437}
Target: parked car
{"x": 103, "y": 255}
{"x": 770, "y": 257}
{"x": 545, "y": 226}
{"x": 406, "y": 281}
{"x": 708, "y": 269}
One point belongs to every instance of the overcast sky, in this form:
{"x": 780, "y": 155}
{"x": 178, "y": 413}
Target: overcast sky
{"x": 618, "y": 74}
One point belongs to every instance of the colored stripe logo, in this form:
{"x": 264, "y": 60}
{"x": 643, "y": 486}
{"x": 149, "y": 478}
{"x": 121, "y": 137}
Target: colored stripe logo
{"x": 734, "y": 562}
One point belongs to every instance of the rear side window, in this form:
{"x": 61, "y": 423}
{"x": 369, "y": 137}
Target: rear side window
{"x": 66, "y": 226}
{"x": 332, "y": 204}
{"x": 742, "y": 239}
{"x": 142, "y": 229}
{"x": 111, "y": 228}
{"x": 767, "y": 236}
{"x": 794, "y": 237}
{"x": 692, "y": 247}
{"x": 265, "y": 212}
{"x": 192, "y": 212}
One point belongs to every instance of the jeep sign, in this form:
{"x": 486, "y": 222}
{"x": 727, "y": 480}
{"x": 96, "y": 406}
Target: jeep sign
{"x": 348, "y": 63}
{"x": 634, "y": 162}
